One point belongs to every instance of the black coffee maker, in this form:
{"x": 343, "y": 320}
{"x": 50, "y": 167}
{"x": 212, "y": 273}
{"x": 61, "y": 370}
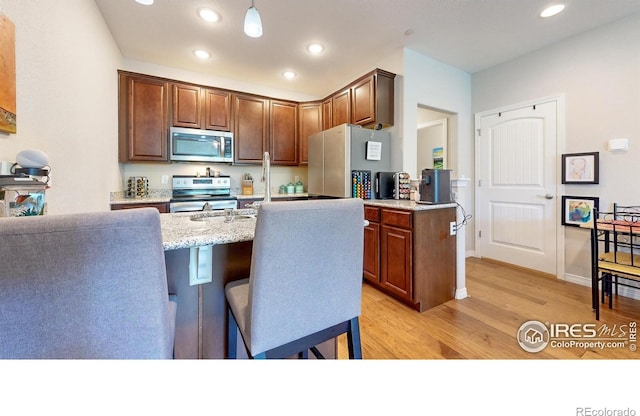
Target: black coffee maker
{"x": 435, "y": 186}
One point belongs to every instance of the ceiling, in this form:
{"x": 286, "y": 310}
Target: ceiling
{"x": 471, "y": 35}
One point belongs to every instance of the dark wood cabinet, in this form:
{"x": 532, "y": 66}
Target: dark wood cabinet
{"x": 186, "y": 106}
{"x": 372, "y": 99}
{"x": 327, "y": 114}
{"x": 262, "y": 125}
{"x": 217, "y": 109}
{"x": 341, "y": 107}
{"x": 371, "y": 261}
{"x": 160, "y": 206}
{"x": 411, "y": 254}
{"x": 368, "y": 101}
{"x": 396, "y": 244}
{"x": 362, "y": 101}
{"x": 283, "y": 132}
{"x": 143, "y": 118}
{"x": 310, "y": 122}
{"x": 201, "y": 108}
{"x": 149, "y": 106}
{"x": 250, "y": 128}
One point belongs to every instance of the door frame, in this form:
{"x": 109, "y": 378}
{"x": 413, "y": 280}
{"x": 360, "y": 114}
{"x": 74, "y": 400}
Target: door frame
{"x": 444, "y": 122}
{"x": 560, "y": 149}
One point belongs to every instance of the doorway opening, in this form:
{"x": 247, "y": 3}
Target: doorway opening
{"x": 434, "y": 132}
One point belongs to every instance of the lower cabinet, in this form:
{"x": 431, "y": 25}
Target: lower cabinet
{"x": 162, "y": 207}
{"x": 411, "y": 255}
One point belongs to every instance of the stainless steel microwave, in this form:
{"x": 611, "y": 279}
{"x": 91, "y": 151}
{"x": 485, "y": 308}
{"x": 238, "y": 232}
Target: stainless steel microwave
{"x": 193, "y": 145}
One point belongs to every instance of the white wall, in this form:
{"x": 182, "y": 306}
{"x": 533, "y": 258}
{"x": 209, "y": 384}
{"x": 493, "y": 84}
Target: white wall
{"x": 66, "y": 98}
{"x": 430, "y": 83}
{"x": 599, "y": 74}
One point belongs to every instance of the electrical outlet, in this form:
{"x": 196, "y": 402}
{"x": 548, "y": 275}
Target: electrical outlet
{"x": 165, "y": 179}
{"x": 200, "y": 265}
{"x": 452, "y": 228}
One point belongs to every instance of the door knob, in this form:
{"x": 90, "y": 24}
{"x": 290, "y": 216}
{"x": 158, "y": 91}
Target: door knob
{"x": 547, "y": 196}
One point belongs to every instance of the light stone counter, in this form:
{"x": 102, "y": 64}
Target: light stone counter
{"x": 179, "y": 230}
{"x": 408, "y": 205}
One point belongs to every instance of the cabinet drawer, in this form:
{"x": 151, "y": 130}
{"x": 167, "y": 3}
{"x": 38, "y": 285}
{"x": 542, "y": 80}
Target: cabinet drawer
{"x": 401, "y": 219}
{"x": 372, "y": 214}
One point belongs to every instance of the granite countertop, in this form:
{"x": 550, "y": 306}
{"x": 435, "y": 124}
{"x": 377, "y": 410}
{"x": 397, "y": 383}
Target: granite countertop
{"x": 180, "y": 231}
{"x": 405, "y": 204}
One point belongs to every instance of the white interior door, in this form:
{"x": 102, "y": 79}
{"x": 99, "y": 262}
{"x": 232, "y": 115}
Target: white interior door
{"x": 517, "y": 209}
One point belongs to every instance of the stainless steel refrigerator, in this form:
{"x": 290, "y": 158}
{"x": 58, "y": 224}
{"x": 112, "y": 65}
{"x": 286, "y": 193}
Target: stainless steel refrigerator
{"x": 344, "y": 160}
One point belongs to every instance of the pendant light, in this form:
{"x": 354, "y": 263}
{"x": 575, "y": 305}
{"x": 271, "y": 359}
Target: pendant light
{"x": 252, "y": 22}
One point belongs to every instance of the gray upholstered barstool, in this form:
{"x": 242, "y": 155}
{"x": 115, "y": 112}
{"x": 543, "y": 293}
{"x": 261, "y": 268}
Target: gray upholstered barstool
{"x": 305, "y": 283}
{"x": 88, "y": 285}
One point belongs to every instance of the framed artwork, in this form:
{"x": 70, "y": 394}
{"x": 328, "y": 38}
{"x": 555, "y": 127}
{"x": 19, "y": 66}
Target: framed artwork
{"x": 7, "y": 75}
{"x": 580, "y": 168}
{"x": 578, "y": 210}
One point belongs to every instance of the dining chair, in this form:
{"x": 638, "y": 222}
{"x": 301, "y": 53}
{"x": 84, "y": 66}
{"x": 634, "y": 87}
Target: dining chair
{"x": 616, "y": 247}
{"x": 305, "y": 281}
{"x": 85, "y": 286}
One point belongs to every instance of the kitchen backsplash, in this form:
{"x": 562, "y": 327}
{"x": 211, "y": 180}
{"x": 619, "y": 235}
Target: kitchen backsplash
{"x": 280, "y": 175}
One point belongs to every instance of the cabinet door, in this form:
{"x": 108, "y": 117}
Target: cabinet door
{"x": 363, "y": 102}
{"x": 250, "y": 129}
{"x": 396, "y": 264}
{"x": 161, "y": 207}
{"x": 283, "y": 133}
{"x": 143, "y": 119}
{"x": 186, "y": 106}
{"x": 310, "y": 123}
{"x": 341, "y": 108}
{"x": 371, "y": 261}
{"x": 327, "y": 114}
{"x": 217, "y": 110}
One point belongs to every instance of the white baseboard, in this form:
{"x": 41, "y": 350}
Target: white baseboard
{"x": 628, "y": 292}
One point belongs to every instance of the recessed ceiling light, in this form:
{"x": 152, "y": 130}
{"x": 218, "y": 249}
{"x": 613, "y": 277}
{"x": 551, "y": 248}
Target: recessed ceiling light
{"x": 208, "y": 15}
{"x": 145, "y": 2}
{"x": 552, "y": 10}
{"x": 202, "y": 54}
{"x": 315, "y": 48}
{"x": 289, "y": 74}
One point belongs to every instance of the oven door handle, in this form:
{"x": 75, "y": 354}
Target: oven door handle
{"x": 194, "y": 206}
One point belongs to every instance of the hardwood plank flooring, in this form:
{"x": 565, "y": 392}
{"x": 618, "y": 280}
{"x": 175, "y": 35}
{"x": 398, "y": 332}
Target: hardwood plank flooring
{"x": 485, "y": 324}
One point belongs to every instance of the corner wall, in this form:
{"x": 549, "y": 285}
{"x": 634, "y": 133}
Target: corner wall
{"x": 66, "y": 98}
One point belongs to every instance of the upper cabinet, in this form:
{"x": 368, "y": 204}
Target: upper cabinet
{"x": 341, "y": 107}
{"x": 143, "y": 112}
{"x": 186, "y": 106}
{"x": 150, "y": 105}
{"x": 217, "y": 109}
{"x": 367, "y": 102}
{"x": 250, "y": 129}
{"x": 327, "y": 114}
{"x": 262, "y": 125}
{"x": 310, "y": 122}
{"x": 283, "y": 133}
{"x": 201, "y": 108}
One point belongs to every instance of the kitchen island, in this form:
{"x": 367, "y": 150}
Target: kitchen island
{"x": 409, "y": 254}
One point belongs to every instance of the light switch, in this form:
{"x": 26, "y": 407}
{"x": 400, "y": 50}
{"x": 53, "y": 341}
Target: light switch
{"x": 618, "y": 145}
{"x": 200, "y": 265}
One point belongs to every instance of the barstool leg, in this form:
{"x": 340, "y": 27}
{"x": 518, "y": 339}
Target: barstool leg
{"x": 353, "y": 339}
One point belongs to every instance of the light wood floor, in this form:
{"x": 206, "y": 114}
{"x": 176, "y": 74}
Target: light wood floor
{"x": 485, "y": 324}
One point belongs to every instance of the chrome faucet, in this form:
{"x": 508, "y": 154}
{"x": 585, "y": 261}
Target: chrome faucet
{"x": 266, "y": 176}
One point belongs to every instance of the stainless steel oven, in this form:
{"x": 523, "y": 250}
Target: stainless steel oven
{"x": 201, "y": 193}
